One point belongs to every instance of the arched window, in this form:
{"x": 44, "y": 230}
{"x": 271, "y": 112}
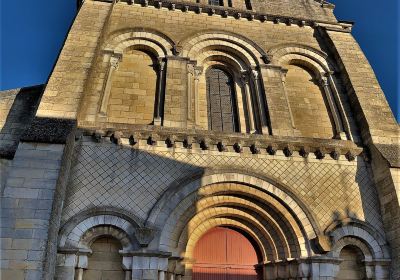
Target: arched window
{"x": 221, "y": 101}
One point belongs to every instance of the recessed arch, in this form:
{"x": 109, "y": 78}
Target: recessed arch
{"x": 127, "y": 37}
{"x": 82, "y": 233}
{"x": 212, "y": 37}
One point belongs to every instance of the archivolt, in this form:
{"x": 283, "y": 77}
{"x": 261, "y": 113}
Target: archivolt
{"x": 82, "y": 234}
{"x": 249, "y": 201}
{"x": 229, "y": 42}
{"x": 286, "y": 53}
{"x": 159, "y": 43}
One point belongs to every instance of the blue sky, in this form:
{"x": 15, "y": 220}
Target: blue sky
{"x": 33, "y": 31}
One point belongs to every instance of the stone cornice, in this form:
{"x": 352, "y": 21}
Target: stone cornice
{"x": 235, "y": 13}
{"x": 191, "y": 139}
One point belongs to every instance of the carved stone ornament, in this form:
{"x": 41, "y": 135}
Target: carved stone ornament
{"x": 304, "y": 152}
{"x": 97, "y": 135}
{"x": 335, "y": 154}
{"x": 170, "y": 141}
{"x": 350, "y": 156}
{"x": 320, "y": 153}
{"x": 188, "y": 142}
{"x": 254, "y": 149}
{"x": 238, "y": 147}
{"x": 133, "y": 140}
{"x": 288, "y": 151}
{"x": 144, "y": 236}
{"x": 221, "y": 147}
{"x": 271, "y": 149}
{"x": 204, "y": 144}
{"x": 116, "y": 137}
{"x": 151, "y": 140}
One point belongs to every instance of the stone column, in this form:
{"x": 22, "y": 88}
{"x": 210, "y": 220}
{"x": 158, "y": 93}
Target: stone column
{"x": 340, "y": 134}
{"x": 190, "y": 76}
{"x": 114, "y": 62}
{"x": 249, "y": 104}
{"x": 197, "y": 72}
{"x": 261, "y": 104}
{"x": 160, "y": 92}
{"x": 283, "y": 77}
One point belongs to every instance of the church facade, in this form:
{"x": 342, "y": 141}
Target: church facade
{"x": 204, "y": 140}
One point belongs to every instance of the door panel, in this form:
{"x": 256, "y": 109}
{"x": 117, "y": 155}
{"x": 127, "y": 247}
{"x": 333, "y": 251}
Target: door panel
{"x": 224, "y": 254}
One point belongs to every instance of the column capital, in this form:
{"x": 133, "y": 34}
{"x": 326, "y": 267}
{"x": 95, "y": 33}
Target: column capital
{"x": 198, "y": 70}
{"x": 114, "y": 60}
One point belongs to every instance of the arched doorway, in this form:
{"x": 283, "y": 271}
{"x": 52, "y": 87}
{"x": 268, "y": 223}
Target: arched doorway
{"x": 225, "y": 254}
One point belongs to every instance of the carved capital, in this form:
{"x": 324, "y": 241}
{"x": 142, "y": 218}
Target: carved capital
{"x": 114, "y": 61}
{"x": 176, "y": 50}
{"x": 144, "y": 236}
{"x": 198, "y": 70}
{"x": 161, "y": 64}
{"x": 190, "y": 68}
{"x": 323, "y": 80}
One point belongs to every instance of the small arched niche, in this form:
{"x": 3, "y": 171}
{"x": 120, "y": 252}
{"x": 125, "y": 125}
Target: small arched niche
{"x": 105, "y": 262}
{"x": 351, "y": 266}
{"x": 134, "y": 87}
{"x": 308, "y": 103}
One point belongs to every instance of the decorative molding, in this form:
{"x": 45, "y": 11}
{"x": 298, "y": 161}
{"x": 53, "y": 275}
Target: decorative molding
{"x": 236, "y": 142}
{"x": 240, "y": 13}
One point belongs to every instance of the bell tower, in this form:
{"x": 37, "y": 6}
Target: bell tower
{"x": 202, "y": 140}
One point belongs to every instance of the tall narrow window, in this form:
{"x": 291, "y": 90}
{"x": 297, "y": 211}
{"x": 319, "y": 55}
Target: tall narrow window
{"x": 221, "y": 101}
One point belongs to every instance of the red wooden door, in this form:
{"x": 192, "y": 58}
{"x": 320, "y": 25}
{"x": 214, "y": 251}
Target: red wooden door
{"x": 224, "y": 254}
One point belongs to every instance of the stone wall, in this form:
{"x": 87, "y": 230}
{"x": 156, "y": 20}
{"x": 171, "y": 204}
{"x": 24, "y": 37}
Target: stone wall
{"x": 26, "y": 204}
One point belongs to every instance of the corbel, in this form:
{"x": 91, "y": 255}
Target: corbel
{"x": 304, "y": 151}
{"x": 238, "y": 147}
{"x": 116, "y": 137}
{"x": 221, "y": 147}
{"x": 204, "y": 143}
{"x": 335, "y": 154}
{"x": 271, "y": 149}
{"x": 188, "y": 142}
{"x": 320, "y": 153}
{"x": 254, "y": 148}
{"x": 170, "y": 141}
{"x": 288, "y": 150}
{"x": 350, "y": 155}
{"x": 97, "y": 135}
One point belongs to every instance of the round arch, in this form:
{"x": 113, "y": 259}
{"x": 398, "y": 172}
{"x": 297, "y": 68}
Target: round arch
{"x": 281, "y": 226}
